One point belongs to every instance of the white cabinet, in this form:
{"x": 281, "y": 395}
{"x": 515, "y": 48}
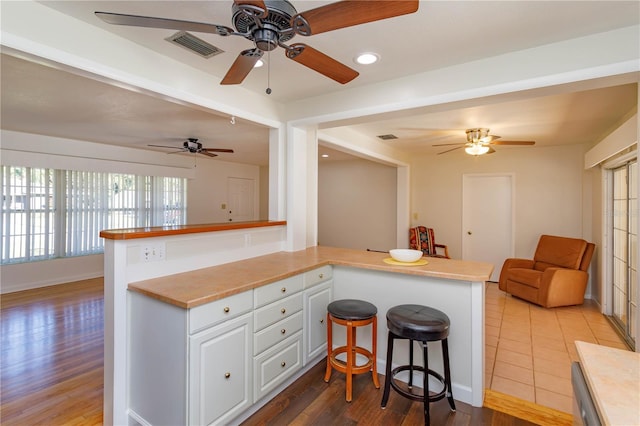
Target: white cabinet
{"x": 315, "y": 336}
{"x": 318, "y": 294}
{"x": 183, "y": 377}
{"x": 211, "y": 363}
{"x": 220, "y": 372}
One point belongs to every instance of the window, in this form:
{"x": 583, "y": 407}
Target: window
{"x": 50, "y": 213}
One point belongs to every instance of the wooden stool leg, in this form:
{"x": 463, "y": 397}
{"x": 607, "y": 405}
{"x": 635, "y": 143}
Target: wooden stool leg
{"x": 387, "y": 376}
{"x": 425, "y": 386}
{"x": 327, "y": 374}
{"x": 350, "y": 359}
{"x": 374, "y": 352}
{"x": 447, "y": 374}
{"x": 410, "y": 384}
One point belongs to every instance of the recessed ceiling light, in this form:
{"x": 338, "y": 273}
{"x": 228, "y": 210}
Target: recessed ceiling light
{"x": 367, "y": 58}
{"x": 325, "y": 155}
{"x": 259, "y": 63}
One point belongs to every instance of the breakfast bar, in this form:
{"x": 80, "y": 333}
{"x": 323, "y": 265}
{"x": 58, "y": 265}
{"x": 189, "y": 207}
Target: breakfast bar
{"x": 270, "y": 309}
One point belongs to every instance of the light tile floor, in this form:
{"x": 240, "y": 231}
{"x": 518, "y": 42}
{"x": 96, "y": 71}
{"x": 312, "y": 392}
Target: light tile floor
{"x": 529, "y": 349}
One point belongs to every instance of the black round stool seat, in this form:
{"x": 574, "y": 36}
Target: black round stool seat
{"x": 417, "y": 322}
{"x": 352, "y": 310}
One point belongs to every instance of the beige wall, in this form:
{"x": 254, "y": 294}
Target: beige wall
{"x": 357, "y": 205}
{"x": 548, "y": 192}
{"x": 208, "y": 191}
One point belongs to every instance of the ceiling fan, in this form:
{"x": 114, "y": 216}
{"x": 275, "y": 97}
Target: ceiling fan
{"x": 479, "y": 142}
{"x": 271, "y": 23}
{"x": 193, "y": 146}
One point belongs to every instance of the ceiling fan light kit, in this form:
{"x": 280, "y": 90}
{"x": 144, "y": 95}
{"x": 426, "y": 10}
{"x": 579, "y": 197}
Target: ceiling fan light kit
{"x": 272, "y": 23}
{"x": 476, "y": 149}
{"x": 479, "y": 142}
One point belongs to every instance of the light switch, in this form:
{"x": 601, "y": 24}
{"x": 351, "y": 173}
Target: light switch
{"x": 223, "y": 206}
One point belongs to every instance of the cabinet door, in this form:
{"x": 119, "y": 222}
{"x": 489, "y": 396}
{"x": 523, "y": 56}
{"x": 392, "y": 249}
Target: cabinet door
{"x": 316, "y": 300}
{"x": 220, "y": 379}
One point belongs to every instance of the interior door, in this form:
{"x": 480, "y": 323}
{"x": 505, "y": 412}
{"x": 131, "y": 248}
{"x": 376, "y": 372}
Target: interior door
{"x": 487, "y": 219}
{"x": 240, "y": 193}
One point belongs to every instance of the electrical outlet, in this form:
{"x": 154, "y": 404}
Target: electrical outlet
{"x": 153, "y": 252}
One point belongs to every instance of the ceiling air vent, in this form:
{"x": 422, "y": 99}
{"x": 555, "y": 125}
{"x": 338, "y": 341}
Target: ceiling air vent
{"x": 387, "y": 137}
{"x": 194, "y": 44}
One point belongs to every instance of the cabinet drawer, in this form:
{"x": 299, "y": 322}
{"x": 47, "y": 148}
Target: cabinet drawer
{"x": 277, "y": 332}
{"x": 276, "y": 311}
{"x": 317, "y": 276}
{"x": 204, "y": 316}
{"x": 274, "y": 291}
{"x": 275, "y": 365}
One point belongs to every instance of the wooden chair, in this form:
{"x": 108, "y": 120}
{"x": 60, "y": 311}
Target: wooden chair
{"x": 422, "y": 238}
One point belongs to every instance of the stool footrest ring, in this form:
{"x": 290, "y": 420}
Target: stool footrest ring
{"x": 341, "y": 366}
{"x": 403, "y": 389}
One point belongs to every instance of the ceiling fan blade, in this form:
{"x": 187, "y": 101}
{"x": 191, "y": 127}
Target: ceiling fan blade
{"x": 318, "y": 61}
{"x": 164, "y": 146}
{"x": 449, "y": 144}
{"x": 169, "y": 24}
{"x": 489, "y": 139}
{"x": 348, "y": 13}
{"x": 208, "y": 154}
{"x": 242, "y": 66}
{"x": 513, "y": 143}
{"x": 449, "y": 150}
{"x": 256, "y": 3}
{"x": 217, "y": 150}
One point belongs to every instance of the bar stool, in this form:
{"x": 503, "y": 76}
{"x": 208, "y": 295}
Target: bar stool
{"x": 422, "y": 324}
{"x": 352, "y": 314}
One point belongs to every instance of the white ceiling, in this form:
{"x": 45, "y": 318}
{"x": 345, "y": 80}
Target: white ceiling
{"x": 44, "y": 100}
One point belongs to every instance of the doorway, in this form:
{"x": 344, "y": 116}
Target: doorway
{"x": 487, "y": 219}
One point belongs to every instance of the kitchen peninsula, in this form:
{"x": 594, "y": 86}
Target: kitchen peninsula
{"x": 236, "y": 288}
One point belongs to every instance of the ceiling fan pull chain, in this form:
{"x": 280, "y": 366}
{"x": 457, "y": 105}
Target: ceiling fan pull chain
{"x": 268, "y": 72}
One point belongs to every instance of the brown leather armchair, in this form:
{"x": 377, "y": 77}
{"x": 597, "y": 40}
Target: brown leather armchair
{"x": 557, "y": 275}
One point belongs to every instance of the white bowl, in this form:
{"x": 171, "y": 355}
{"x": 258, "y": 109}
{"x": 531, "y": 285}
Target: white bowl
{"x": 405, "y": 255}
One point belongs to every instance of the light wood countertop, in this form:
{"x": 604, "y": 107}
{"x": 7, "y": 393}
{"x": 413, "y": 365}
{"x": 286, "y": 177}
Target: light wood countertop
{"x": 613, "y": 378}
{"x": 194, "y": 288}
{"x": 161, "y": 231}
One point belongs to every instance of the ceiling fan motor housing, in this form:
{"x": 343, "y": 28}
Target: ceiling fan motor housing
{"x": 274, "y": 28}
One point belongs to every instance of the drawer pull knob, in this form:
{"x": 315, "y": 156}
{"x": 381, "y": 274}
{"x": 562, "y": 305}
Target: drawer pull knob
{"x": 322, "y": 321}
{"x": 283, "y": 364}
{"x": 227, "y": 375}
{"x": 283, "y": 310}
{"x": 321, "y": 276}
{"x": 226, "y": 309}
{"x": 283, "y": 289}
{"x": 283, "y": 331}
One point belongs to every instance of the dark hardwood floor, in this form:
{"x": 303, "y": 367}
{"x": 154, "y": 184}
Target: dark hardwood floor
{"x": 311, "y": 401}
{"x": 51, "y": 373}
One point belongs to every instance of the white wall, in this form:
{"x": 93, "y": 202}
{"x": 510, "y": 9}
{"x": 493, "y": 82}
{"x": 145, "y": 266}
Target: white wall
{"x": 357, "y": 205}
